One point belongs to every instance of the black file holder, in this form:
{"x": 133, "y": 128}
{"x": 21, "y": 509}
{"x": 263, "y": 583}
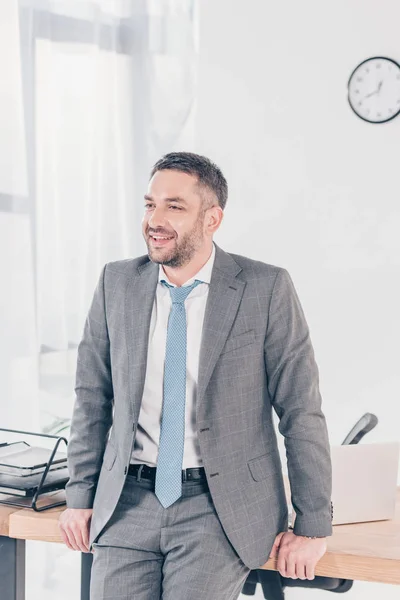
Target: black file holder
{"x": 39, "y": 488}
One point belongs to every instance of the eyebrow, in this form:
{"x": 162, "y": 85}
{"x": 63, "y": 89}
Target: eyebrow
{"x": 175, "y": 199}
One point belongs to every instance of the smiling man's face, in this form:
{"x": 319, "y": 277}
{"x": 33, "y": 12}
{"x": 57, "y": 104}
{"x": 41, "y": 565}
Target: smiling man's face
{"x": 173, "y": 221}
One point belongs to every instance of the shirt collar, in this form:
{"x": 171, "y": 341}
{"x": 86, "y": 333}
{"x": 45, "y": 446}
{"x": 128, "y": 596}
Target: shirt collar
{"x": 203, "y": 275}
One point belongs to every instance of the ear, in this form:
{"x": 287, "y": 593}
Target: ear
{"x": 213, "y": 219}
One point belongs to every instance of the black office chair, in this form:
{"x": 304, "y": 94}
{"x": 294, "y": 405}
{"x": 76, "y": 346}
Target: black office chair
{"x": 272, "y": 583}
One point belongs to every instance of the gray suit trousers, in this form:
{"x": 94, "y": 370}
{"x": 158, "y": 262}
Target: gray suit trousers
{"x": 148, "y": 552}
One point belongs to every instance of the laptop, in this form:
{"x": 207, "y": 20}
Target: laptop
{"x": 364, "y": 482}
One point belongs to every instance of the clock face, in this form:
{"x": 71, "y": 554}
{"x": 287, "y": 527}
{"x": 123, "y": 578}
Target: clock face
{"x": 374, "y": 90}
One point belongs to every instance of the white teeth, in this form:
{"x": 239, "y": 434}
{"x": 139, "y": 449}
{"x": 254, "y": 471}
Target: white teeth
{"x": 158, "y": 237}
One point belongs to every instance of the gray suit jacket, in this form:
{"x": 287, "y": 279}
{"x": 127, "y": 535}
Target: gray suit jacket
{"x": 256, "y": 355}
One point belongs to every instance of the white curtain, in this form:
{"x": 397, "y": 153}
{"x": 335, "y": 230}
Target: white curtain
{"x": 92, "y": 93}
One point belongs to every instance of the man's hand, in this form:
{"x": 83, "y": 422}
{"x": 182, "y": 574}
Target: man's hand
{"x": 74, "y": 524}
{"x": 297, "y": 555}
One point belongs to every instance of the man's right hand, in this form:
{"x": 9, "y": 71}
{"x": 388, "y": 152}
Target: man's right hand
{"x": 74, "y": 524}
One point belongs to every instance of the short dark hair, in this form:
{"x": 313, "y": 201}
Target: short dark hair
{"x": 209, "y": 175}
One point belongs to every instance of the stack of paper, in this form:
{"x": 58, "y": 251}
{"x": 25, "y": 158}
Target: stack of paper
{"x": 19, "y": 459}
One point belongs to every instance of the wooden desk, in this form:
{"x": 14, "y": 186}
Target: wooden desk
{"x": 363, "y": 551}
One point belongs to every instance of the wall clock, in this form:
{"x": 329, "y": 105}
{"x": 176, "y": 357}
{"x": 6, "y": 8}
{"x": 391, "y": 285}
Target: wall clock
{"x": 374, "y": 89}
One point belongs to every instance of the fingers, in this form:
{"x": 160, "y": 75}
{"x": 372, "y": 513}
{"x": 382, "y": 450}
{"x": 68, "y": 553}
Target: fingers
{"x": 281, "y": 564}
{"x": 279, "y": 537}
{"x": 72, "y": 537}
{"x": 291, "y": 566}
{"x": 65, "y": 539}
{"x": 85, "y": 537}
{"x": 276, "y": 544}
{"x": 300, "y": 570}
{"x": 274, "y": 550}
{"x": 310, "y": 570}
{"x": 75, "y": 533}
{"x": 288, "y": 566}
{"x": 298, "y": 558}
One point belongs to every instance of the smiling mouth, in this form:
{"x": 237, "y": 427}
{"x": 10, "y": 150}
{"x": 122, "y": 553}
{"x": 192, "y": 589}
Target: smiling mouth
{"x": 160, "y": 240}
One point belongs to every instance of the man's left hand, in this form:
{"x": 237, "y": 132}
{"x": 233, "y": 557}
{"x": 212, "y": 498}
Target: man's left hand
{"x": 297, "y": 555}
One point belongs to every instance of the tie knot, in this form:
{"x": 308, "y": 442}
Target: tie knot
{"x": 179, "y": 294}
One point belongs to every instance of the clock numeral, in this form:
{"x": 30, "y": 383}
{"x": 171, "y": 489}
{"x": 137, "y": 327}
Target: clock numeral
{"x": 378, "y": 65}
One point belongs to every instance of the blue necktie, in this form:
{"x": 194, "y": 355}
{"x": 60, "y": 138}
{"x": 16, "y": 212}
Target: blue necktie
{"x": 168, "y": 486}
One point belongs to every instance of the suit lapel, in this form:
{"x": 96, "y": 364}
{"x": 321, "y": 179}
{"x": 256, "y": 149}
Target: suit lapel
{"x": 224, "y": 297}
{"x": 139, "y": 301}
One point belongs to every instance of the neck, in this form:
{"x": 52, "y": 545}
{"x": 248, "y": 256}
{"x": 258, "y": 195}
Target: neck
{"x": 180, "y": 275}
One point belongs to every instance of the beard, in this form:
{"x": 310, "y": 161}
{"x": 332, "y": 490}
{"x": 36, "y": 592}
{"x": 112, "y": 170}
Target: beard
{"x": 183, "y": 250}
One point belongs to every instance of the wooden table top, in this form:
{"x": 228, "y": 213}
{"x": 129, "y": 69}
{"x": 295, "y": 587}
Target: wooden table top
{"x": 362, "y": 551}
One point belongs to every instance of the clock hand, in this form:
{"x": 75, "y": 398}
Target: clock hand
{"x": 378, "y": 89}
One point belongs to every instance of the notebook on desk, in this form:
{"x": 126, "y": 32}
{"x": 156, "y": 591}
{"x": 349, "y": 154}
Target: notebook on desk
{"x": 364, "y": 482}
{"x": 27, "y": 486}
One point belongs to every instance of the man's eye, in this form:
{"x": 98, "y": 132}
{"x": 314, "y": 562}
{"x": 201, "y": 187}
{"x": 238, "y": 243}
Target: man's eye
{"x": 171, "y": 206}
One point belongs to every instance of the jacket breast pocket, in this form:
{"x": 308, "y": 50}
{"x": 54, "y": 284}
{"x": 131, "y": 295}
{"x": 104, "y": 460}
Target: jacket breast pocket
{"x": 265, "y": 465}
{"x": 109, "y": 456}
{"x": 237, "y": 341}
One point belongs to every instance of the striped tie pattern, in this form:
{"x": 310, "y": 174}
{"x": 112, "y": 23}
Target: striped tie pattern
{"x": 168, "y": 485}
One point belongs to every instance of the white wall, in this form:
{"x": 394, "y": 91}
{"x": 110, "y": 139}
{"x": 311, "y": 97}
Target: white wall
{"x": 313, "y": 188}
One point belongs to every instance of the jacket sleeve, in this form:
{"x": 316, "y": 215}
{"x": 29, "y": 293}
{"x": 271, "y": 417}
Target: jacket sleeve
{"x": 293, "y": 385}
{"x": 92, "y": 414}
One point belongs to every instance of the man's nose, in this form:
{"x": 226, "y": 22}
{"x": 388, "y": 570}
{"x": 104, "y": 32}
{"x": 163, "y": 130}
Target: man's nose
{"x": 157, "y": 218}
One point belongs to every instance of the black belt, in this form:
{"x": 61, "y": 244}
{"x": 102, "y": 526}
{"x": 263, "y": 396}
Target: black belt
{"x": 145, "y": 472}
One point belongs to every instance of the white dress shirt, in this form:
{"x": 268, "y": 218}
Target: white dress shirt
{"x": 148, "y": 431}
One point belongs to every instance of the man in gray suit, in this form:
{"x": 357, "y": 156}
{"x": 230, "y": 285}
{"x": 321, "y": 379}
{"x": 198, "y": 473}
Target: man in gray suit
{"x": 175, "y": 475}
